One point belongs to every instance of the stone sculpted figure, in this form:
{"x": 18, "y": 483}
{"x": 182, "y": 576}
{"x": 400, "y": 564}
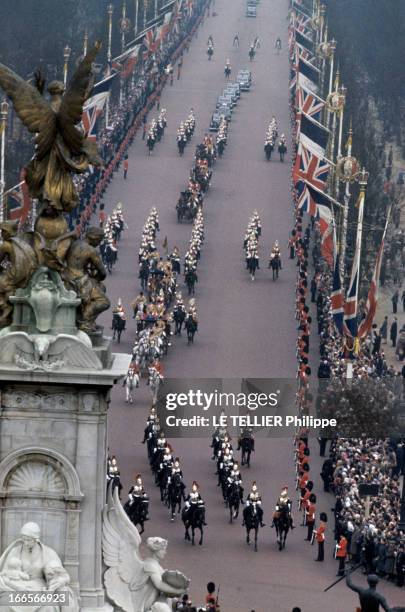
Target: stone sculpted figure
{"x": 29, "y": 565}
{"x": 62, "y": 149}
{"x": 84, "y": 273}
{"x": 133, "y": 584}
{"x": 17, "y": 263}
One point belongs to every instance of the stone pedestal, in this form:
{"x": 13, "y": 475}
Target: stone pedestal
{"x": 53, "y": 450}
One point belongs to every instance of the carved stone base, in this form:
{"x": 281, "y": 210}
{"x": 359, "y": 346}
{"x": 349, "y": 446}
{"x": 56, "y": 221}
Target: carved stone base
{"x": 53, "y": 450}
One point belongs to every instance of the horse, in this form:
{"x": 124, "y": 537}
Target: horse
{"x": 191, "y": 279}
{"x": 282, "y": 149}
{"x": 210, "y": 52}
{"x": 109, "y": 257}
{"x": 268, "y": 149}
{"x": 155, "y": 380}
{"x": 251, "y": 520}
{"x": 252, "y": 54}
{"x": 191, "y": 327}
{"x": 179, "y": 314}
{"x": 162, "y": 477}
{"x": 175, "y": 493}
{"x": 227, "y": 72}
{"x": 247, "y": 445}
{"x": 282, "y": 523}
{"x": 252, "y": 265}
{"x": 118, "y": 326}
{"x": 275, "y": 265}
{"x": 137, "y": 511}
{"x": 181, "y": 145}
{"x": 193, "y": 517}
{"x": 233, "y": 499}
{"x": 150, "y": 144}
{"x": 131, "y": 382}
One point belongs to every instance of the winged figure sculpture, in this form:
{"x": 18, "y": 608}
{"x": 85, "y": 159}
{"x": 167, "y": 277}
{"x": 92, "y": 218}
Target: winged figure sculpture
{"x": 62, "y": 148}
{"x": 132, "y": 583}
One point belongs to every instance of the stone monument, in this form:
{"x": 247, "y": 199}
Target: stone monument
{"x": 56, "y": 367}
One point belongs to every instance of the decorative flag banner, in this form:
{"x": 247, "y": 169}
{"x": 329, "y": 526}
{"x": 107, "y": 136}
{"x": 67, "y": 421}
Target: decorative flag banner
{"x": 310, "y": 74}
{"x": 126, "y": 62}
{"x": 372, "y": 298}
{"x": 337, "y": 297}
{"x": 313, "y": 135}
{"x": 94, "y": 106}
{"x": 310, "y": 168}
{"x": 307, "y": 102}
{"x": 351, "y": 303}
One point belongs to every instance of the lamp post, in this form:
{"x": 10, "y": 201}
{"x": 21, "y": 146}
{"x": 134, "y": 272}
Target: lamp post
{"x": 110, "y": 10}
{"x": 4, "y": 106}
{"x": 66, "y": 55}
{"x": 145, "y": 8}
{"x": 136, "y": 17}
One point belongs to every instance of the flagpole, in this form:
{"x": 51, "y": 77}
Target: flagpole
{"x": 66, "y": 55}
{"x": 85, "y": 42}
{"x": 332, "y": 45}
{"x": 4, "y": 106}
{"x": 136, "y": 17}
{"x": 362, "y": 180}
{"x": 145, "y": 7}
{"x": 156, "y": 8}
{"x": 110, "y": 10}
{"x": 124, "y": 14}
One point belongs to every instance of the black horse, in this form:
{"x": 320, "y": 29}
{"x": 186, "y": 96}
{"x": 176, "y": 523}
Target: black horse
{"x": 191, "y": 327}
{"x": 118, "y": 326}
{"x": 194, "y": 518}
{"x": 227, "y": 72}
{"x": 282, "y": 150}
{"x": 251, "y": 520}
{"x": 247, "y": 446}
{"x": 179, "y": 315}
{"x": 275, "y": 265}
{"x": 175, "y": 493}
{"x": 233, "y": 499}
{"x": 181, "y": 145}
{"x": 137, "y": 511}
{"x": 150, "y": 144}
{"x": 144, "y": 273}
{"x": 282, "y": 523}
{"x": 191, "y": 279}
{"x": 268, "y": 149}
{"x": 210, "y": 52}
{"x": 252, "y": 265}
{"x": 252, "y": 54}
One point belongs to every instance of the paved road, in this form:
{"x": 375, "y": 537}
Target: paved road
{"x": 246, "y": 329}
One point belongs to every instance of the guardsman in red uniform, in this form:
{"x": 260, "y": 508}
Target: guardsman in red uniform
{"x": 320, "y": 536}
{"x": 310, "y": 512}
{"x": 341, "y": 554}
{"x": 304, "y": 499}
{"x": 303, "y": 478}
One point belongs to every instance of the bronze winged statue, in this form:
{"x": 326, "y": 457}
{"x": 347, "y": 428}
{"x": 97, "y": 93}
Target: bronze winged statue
{"x": 62, "y": 148}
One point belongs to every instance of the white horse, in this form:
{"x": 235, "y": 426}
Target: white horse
{"x": 155, "y": 380}
{"x": 131, "y": 382}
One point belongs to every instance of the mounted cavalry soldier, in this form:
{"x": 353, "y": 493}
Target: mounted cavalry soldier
{"x": 235, "y": 479}
{"x": 194, "y": 501}
{"x": 217, "y": 437}
{"x": 254, "y": 504}
{"x": 284, "y": 505}
{"x": 137, "y": 506}
{"x": 275, "y": 260}
{"x": 282, "y": 148}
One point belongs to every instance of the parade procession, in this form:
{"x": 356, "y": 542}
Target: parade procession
{"x": 202, "y": 308}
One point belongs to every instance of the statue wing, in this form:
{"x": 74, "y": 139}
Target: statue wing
{"x": 77, "y": 92}
{"x": 15, "y": 343}
{"x": 74, "y": 352}
{"x": 120, "y": 542}
{"x": 35, "y": 112}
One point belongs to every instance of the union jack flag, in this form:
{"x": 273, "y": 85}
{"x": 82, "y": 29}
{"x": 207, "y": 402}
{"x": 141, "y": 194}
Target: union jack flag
{"x": 350, "y": 317}
{"x": 305, "y": 202}
{"x": 307, "y": 102}
{"x": 310, "y": 168}
{"x": 151, "y": 42}
{"x": 18, "y": 201}
{"x": 337, "y": 298}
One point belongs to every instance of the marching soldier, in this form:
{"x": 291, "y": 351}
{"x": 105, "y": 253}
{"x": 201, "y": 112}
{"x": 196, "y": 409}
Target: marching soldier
{"x": 310, "y": 512}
